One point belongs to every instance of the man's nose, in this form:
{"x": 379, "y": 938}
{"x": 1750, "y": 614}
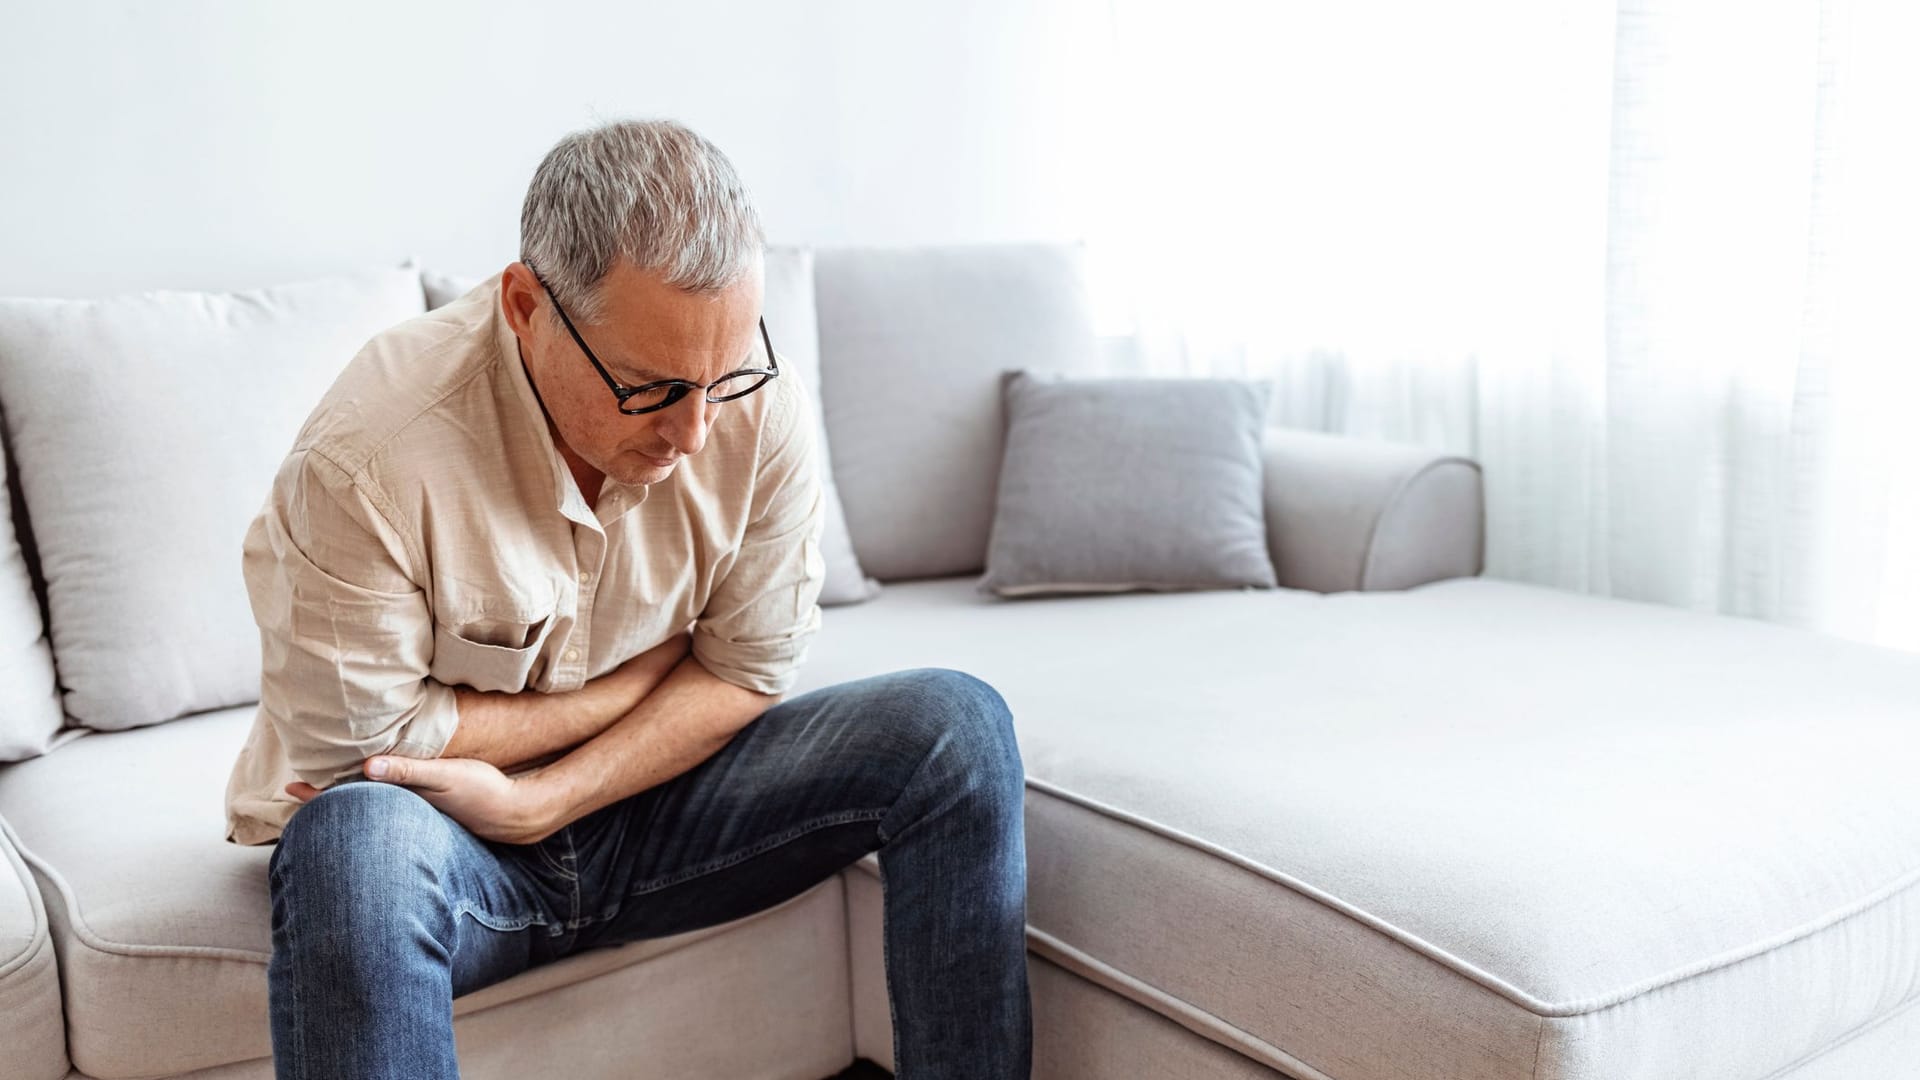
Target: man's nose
{"x": 687, "y": 422}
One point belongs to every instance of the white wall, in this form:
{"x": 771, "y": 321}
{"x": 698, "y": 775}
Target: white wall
{"x": 208, "y": 144}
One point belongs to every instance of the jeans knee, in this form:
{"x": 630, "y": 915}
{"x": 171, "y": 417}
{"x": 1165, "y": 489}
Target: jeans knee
{"x": 357, "y": 839}
{"x": 973, "y": 728}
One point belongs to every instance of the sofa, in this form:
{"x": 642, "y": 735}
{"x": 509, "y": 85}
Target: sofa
{"x": 1391, "y": 820}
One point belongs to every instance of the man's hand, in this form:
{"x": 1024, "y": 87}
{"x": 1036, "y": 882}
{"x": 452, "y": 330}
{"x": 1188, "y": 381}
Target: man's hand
{"x": 515, "y": 728}
{"x": 486, "y": 801}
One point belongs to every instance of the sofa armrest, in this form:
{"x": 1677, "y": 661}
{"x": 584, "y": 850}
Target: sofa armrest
{"x": 1346, "y": 514}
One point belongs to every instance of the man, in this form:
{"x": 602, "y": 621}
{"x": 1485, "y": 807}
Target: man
{"x": 531, "y": 587}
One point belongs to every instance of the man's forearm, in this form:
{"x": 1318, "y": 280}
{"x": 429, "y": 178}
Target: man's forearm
{"x": 684, "y": 721}
{"x": 511, "y": 729}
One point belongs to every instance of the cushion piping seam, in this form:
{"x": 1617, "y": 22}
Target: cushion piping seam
{"x": 1148, "y": 996}
{"x": 1192, "y": 1017}
{"x": 1105, "y": 588}
{"x": 42, "y": 935}
{"x": 88, "y": 936}
{"x": 1577, "y": 1007}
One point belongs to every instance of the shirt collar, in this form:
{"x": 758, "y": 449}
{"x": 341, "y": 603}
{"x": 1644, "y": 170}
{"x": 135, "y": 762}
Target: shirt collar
{"x": 616, "y": 498}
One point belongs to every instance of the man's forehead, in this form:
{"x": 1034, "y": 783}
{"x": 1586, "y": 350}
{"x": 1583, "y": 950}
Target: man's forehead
{"x": 655, "y": 330}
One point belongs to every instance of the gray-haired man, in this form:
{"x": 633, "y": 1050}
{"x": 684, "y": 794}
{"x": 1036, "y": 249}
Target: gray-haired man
{"x": 531, "y": 587}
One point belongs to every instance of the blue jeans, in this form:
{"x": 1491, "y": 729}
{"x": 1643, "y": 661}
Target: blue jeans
{"x": 385, "y": 909}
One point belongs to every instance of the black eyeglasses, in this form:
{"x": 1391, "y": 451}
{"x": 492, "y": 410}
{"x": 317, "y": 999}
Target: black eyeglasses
{"x": 646, "y": 398}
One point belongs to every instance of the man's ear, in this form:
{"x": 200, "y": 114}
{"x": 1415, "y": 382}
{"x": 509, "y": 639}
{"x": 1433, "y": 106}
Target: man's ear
{"x": 520, "y": 294}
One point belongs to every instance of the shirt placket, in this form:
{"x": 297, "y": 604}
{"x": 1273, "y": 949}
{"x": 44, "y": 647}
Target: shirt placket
{"x": 589, "y": 552}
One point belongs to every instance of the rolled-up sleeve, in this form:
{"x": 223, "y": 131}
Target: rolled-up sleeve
{"x": 762, "y": 615}
{"x": 346, "y": 636}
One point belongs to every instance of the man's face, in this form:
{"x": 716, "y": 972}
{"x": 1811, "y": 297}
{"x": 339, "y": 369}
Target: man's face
{"x": 647, "y": 330}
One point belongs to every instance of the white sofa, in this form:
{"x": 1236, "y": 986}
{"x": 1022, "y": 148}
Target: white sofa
{"x": 1391, "y": 820}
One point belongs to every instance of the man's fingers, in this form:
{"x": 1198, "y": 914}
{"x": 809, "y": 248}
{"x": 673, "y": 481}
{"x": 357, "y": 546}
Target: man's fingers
{"x": 302, "y": 790}
{"x": 425, "y": 773}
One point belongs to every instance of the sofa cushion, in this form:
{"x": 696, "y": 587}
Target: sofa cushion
{"x": 791, "y": 321}
{"x": 29, "y": 702}
{"x": 789, "y": 311}
{"x": 912, "y": 346}
{"x": 1116, "y": 484}
{"x": 163, "y": 928}
{"x": 1476, "y": 828}
{"x": 148, "y": 428}
{"x": 31, "y": 1029}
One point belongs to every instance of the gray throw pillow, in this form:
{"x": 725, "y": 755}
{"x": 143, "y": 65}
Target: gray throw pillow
{"x": 1117, "y": 484}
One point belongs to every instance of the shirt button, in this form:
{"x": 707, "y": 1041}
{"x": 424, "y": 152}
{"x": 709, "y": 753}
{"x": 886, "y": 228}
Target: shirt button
{"x": 585, "y": 577}
{"x": 570, "y": 655}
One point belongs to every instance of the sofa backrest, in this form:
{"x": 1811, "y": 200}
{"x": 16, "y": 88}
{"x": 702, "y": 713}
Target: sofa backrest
{"x": 912, "y": 344}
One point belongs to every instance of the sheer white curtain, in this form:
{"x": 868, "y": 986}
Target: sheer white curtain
{"x": 1654, "y": 265}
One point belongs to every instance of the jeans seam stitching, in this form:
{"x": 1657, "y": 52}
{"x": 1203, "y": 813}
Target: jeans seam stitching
{"x": 893, "y": 1015}
{"x": 764, "y": 845}
{"x": 492, "y": 921}
{"x": 556, "y": 865}
{"x": 300, "y": 1025}
{"x": 576, "y": 918}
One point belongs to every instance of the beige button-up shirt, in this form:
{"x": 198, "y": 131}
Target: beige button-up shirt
{"x": 424, "y": 532}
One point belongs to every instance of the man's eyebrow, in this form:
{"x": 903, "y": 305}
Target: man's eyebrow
{"x": 641, "y": 376}
{"x": 622, "y": 368}
{"x": 629, "y": 373}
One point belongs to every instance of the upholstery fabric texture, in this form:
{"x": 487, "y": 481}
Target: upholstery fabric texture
{"x": 1476, "y": 828}
{"x": 1112, "y": 484}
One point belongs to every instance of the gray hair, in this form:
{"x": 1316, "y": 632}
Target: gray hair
{"x": 651, "y": 192}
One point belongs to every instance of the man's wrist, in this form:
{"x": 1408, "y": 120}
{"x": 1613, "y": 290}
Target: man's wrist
{"x": 546, "y": 802}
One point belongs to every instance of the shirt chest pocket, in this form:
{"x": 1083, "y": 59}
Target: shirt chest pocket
{"x": 490, "y": 653}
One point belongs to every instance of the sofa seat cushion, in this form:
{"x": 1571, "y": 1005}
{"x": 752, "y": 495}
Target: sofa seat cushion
{"x": 1476, "y": 828}
{"x": 30, "y": 1025}
{"x": 163, "y": 929}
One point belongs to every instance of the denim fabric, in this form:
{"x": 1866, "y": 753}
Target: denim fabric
{"x": 385, "y": 909}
